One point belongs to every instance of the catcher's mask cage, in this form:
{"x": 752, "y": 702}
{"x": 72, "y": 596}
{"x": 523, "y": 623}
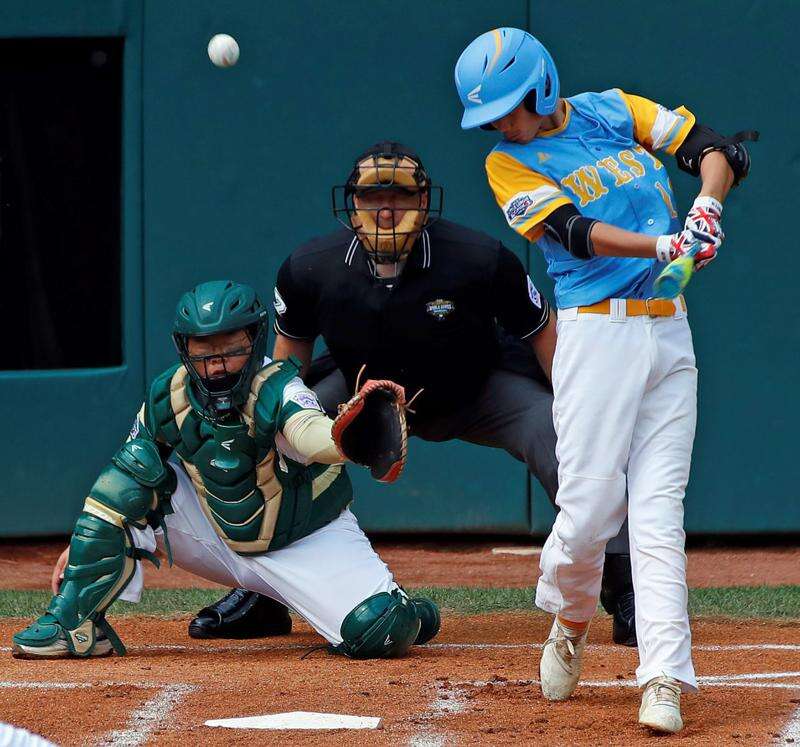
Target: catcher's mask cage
{"x": 220, "y": 393}
{"x": 387, "y": 166}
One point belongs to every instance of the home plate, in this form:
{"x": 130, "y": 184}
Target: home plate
{"x": 516, "y": 551}
{"x": 298, "y": 720}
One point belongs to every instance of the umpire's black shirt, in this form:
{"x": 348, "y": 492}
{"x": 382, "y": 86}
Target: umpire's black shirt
{"x": 433, "y": 327}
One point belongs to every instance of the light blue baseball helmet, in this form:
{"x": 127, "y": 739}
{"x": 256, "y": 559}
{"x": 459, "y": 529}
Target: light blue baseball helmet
{"x": 497, "y": 71}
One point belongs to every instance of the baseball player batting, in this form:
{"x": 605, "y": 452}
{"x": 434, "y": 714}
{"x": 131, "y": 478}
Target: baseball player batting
{"x": 579, "y": 176}
{"x": 255, "y": 493}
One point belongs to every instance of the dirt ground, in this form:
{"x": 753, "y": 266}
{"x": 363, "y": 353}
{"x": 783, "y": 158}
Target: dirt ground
{"x": 437, "y": 562}
{"x": 476, "y": 685}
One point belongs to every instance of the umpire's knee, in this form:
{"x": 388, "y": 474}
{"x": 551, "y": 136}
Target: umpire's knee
{"x": 540, "y": 456}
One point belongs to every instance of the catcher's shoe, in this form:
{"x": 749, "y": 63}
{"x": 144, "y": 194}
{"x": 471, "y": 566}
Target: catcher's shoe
{"x": 560, "y": 665}
{"x": 242, "y": 614}
{"x": 429, "y": 618}
{"x": 661, "y": 705}
{"x": 617, "y": 598}
{"x": 45, "y": 639}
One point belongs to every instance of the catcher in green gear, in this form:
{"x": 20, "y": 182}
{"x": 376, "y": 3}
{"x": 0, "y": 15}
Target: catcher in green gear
{"x": 231, "y": 468}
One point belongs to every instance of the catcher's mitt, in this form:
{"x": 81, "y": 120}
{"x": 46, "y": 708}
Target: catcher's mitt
{"x": 371, "y": 429}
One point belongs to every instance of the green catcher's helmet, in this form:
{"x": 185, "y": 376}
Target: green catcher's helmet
{"x": 210, "y": 309}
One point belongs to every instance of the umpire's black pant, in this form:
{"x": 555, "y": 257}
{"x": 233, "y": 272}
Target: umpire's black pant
{"x": 512, "y": 412}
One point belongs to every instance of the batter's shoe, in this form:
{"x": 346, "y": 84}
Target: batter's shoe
{"x": 661, "y": 705}
{"x": 242, "y": 614}
{"x": 45, "y": 639}
{"x": 617, "y": 598}
{"x": 560, "y": 665}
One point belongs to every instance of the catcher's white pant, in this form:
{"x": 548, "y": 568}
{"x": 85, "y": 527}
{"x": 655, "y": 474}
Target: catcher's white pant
{"x": 322, "y": 577}
{"x": 624, "y": 411}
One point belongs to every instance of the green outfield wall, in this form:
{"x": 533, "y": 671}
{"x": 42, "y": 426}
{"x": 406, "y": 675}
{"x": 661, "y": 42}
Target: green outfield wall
{"x": 224, "y": 172}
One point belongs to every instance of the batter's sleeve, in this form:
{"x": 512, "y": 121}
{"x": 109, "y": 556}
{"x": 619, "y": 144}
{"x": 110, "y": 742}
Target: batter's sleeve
{"x": 525, "y": 196}
{"x": 295, "y": 315}
{"x": 656, "y": 127}
{"x": 519, "y": 306}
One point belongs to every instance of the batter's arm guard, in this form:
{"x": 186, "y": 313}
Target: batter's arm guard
{"x": 702, "y": 140}
{"x": 102, "y": 556}
{"x": 371, "y": 430}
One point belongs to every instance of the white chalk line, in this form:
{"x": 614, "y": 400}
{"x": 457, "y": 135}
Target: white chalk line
{"x": 147, "y": 718}
{"x": 465, "y": 646}
{"x": 751, "y": 680}
{"x": 43, "y": 685}
{"x": 791, "y": 731}
{"x": 447, "y": 700}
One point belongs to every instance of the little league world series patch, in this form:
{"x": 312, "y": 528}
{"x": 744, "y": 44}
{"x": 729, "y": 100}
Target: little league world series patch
{"x": 440, "y": 308}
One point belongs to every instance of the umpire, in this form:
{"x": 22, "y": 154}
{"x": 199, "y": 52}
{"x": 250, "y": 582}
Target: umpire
{"x": 445, "y": 311}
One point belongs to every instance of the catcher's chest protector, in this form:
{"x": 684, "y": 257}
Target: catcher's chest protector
{"x": 254, "y": 498}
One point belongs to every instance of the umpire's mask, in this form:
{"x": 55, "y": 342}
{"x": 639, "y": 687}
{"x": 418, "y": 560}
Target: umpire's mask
{"x": 386, "y": 201}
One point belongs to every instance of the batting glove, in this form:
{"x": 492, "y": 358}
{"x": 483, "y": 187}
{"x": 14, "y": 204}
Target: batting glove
{"x": 705, "y": 218}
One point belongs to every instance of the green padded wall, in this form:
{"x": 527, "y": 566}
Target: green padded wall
{"x": 737, "y": 70}
{"x": 226, "y": 171}
{"x": 239, "y": 164}
{"x": 59, "y": 427}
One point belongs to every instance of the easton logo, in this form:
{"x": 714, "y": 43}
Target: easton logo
{"x": 474, "y": 95}
{"x": 440, "y": 308}
{"x": 81, "y": 638}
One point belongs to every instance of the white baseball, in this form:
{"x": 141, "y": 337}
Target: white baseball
{"x": 223, "y": 50}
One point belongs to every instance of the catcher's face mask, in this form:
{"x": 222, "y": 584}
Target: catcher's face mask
{"x": 387, "y": 202}
{"x": 218, "y": 364}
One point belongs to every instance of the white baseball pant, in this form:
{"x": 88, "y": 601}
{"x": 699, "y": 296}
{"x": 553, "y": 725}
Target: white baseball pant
{"x": 322, "y": 577}
{"x": 624, "y": 411}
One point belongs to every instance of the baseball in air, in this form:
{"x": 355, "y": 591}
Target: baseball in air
{"x": 223, "y": 50}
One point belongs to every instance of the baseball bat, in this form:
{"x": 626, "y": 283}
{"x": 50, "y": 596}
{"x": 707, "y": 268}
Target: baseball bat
{"x": 676, "y": 275}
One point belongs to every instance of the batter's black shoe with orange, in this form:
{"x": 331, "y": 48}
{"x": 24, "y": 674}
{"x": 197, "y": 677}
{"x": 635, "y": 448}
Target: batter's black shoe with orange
{"x": 616, "y": 596}
{"x": 242, "y": 614}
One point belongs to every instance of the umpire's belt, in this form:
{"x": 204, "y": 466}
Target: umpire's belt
{"x": 636, "y": 307}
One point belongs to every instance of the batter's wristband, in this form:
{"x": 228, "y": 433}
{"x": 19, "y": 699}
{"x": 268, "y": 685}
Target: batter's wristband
{"x": 663, "y": 246}
{"x": 709, "y": 203}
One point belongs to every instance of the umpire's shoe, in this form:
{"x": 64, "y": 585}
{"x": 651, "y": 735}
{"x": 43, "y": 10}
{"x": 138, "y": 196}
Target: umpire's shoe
{"x": 242, "y": 614}
{"x": 616, "y": 596}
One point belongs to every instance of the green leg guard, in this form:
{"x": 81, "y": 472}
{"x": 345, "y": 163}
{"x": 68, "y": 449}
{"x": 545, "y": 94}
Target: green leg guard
{"x": 101, "y": 564}
{"x": 381, "y": 627}
{"x": 429, "y": 617}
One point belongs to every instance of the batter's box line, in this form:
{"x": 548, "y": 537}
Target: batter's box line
{"x": 259, "y": 648}
{"x": 43, "y": 685}
{"x": 748, "y": 680}
{"x": 148, "y": 717}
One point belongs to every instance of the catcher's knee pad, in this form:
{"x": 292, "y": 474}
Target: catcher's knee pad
{"x": 383, "y": 626}
{"x": 430, "y": 621}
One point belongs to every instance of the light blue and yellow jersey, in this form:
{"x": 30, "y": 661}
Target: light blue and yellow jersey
{"x": 601, "y": 160}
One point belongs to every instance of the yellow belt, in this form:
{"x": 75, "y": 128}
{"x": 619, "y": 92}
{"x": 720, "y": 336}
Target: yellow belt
{"x": 636, "y": 307}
